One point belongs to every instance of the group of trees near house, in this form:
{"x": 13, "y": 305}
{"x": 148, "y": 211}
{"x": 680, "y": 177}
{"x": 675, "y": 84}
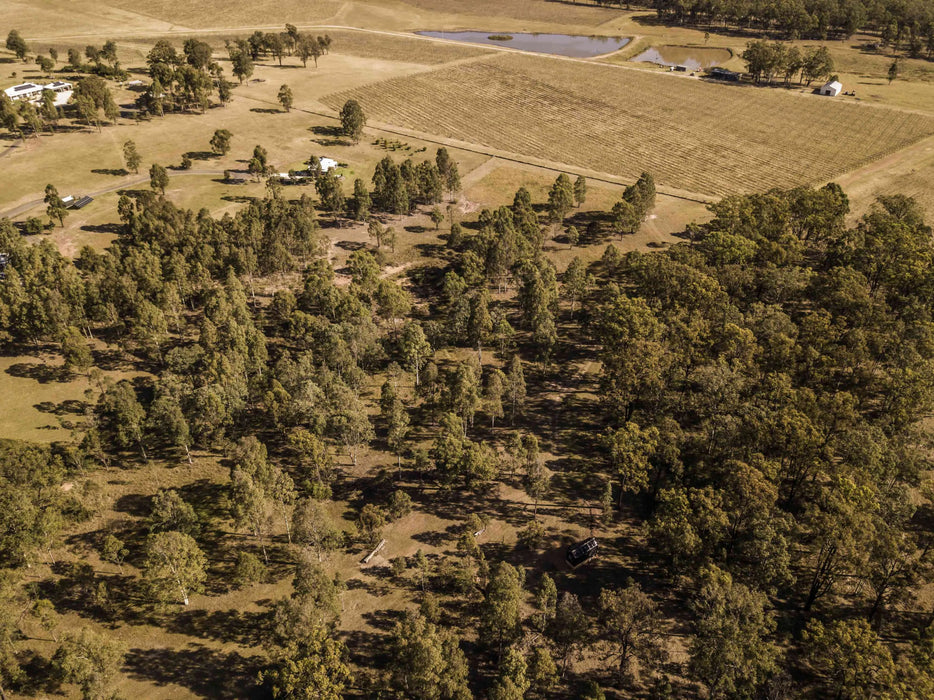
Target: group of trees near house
{"x": 182, "y": 81}
{"x": 244, "y": 53}
{"x": 759, "y": 418}
{"x": 398, "y": 188}
{"x": 766, "y": 60}
{"x": 906, "y": 24}
{"x": 103, "y": 61}
{"x": 92, "y": 101}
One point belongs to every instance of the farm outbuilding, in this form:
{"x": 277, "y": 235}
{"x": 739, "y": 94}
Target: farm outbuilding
{"x": 832, "y": 89}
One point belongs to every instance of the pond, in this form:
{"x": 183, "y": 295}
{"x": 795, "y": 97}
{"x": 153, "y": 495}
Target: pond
{"x": 692, "y": 57}
{"x": 561, "y": 44}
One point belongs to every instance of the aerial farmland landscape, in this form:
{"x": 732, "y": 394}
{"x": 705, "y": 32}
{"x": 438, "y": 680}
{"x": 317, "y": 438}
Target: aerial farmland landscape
{"x": 448, "y": 350}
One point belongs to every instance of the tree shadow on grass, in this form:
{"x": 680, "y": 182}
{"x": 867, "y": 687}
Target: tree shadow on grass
{"x": 201, "y": 155}
{"x": 41, "y": 372}
{"x": 119, "y": 172}
{"x": 238, "y": 198}
{"x": 431, "y": 250}
{"x": 228, "y": 626}
{"x": 329, "y": 143}
{"x": 350, "y": 245}
{"x": 368, "y": 649}
{"x": 332, "y": 131}
{"x": 135, "y": 504}
{"x": 64, "y": 407}
{"x": 110, "y": 359}
{"x": 115, "y": 229}
{"x": 266, "y": 110}
{"x": 40, "y": 676}
{"x": 109, "y": 599}
{"x": 204, "y": 671}
{"x": 207, "y": 497}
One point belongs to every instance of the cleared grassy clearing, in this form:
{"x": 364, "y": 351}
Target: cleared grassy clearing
{"x": 39, "y": 399}
{"x": 231, "y": 14}
{"x": 535, "y": 10}
{"x": 690, "y": 134}
{"x": 910, "y": 173}
{"x": 212, "y": 13}
{"x": 60, "y": 17}
{"x": 403, "y": 49}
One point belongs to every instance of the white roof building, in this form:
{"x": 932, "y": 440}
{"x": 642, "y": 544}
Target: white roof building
{"x": 832, "y": 89}
{"x": 33, "y": 92}
{"x": 328, "y": 164}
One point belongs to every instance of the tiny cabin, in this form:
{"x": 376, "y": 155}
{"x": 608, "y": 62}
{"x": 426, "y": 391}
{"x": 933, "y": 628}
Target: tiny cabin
{"x": 831, "y": 89}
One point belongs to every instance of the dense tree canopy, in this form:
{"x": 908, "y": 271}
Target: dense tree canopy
{"x": 751, "y": 428}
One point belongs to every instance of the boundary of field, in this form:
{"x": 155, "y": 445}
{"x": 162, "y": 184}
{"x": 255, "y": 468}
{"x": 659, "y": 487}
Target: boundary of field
{"x": 487, "y": 49}
{"x": 26, "y": 206}
{"x": 506, "y": 156}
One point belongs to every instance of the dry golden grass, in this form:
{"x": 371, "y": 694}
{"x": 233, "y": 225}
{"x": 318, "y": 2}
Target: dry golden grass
{"x": 39, "y": 400}
{"x": 691, "y": 135}
{"x": 198, "y": 15}
{"x": 910, "y": 173}
{"x": 388, "y": 47}
{"x": 213, "y": 13}
{"x": 90, "y": 18}
{"x": 527, "y": 10}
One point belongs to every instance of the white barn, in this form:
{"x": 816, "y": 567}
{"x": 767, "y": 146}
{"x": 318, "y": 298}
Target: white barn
{"x": 831, "y": 89}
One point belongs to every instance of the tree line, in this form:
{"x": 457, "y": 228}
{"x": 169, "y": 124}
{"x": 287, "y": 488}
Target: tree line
{"x": 766, "y": 60}
{"x": 901, "y": 24}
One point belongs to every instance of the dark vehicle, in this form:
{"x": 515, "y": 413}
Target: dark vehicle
{"x": 581, "y": 552}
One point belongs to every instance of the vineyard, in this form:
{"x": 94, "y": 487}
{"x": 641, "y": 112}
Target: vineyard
{"x": 690, "y": 134}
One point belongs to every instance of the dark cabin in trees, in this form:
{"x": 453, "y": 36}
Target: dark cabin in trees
{"x": 581, "y": 552}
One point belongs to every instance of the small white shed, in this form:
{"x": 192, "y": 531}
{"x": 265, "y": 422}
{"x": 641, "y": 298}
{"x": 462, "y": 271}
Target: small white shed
{"x": 832, "y": 89}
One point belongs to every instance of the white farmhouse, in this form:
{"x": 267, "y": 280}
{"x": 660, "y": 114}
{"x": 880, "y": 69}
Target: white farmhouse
{"x": 33, "y": 92}
{"x": 831, "y": 89}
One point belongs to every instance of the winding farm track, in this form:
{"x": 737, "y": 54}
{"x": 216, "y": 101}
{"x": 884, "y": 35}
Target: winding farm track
{"x": 123, "y": 184}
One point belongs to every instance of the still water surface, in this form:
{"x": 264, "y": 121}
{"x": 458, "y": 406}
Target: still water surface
{"x": 561, "y": 44}
{"x": 693, "y": 57}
